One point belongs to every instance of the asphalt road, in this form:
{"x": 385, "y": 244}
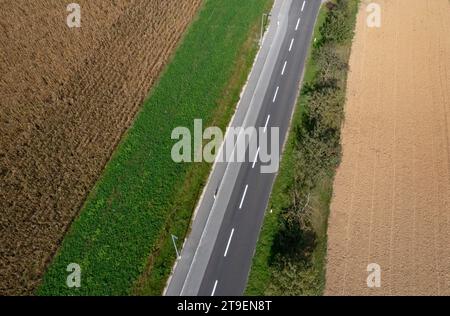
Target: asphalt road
{"x": 216, "y": 257}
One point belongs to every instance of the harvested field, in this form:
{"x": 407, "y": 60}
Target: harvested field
{"x": 391, "y": 203}
{"x": 66, "y": 98}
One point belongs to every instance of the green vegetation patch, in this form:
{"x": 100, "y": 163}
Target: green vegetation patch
{"x": 142, "y": 195}
{"x": 291, "y": 252}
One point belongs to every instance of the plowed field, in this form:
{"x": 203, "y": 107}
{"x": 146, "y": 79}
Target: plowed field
{"x": 391, "y": 203}
{"x": 66, "y": 98}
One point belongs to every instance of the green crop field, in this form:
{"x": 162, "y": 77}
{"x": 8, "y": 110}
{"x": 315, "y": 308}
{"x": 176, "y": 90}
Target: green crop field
{"x": 142, "y": 196}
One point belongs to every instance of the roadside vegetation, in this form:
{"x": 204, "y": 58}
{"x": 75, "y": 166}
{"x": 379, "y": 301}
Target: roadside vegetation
{"x": 122, "y": 237}
{"x": 290, "y": 257}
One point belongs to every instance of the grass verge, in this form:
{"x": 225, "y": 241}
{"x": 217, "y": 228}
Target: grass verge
{"x": 290, "y": 256}
{"x": 120, "y": 239}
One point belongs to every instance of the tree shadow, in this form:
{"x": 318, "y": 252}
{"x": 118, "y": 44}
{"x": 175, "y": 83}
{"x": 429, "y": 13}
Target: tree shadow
{"x": 293, "y": 243}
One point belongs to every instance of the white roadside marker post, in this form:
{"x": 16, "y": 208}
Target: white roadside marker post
{"x": 262, "y": 27}
{"x": 174, "y": 238}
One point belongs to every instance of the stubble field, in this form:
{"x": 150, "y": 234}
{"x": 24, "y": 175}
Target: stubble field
{"x": 66, "y": 98}
{"x": 391, "y": 203}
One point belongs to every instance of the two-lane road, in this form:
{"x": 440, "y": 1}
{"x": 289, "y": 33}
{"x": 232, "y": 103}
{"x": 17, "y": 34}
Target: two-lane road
{"x": 231, "y": 259}
{"x": 216, "y": 257}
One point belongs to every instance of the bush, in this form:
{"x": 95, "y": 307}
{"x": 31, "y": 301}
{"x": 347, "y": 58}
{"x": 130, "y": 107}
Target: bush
{"x": 340, "y": 22}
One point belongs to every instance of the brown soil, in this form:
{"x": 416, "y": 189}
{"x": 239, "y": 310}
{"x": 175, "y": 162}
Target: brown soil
{"x": 66, "y": 98}
{"x": 391, "y": 203}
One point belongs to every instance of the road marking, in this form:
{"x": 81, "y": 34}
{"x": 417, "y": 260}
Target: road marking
{"x": 243, "y": 196}
{"x": 292, "y": 43}
{"x": 267, "y": 122}
{"x": 298, "y": 23}
{"x": 275, "y": 96}
{"x": 303, "y": 6}
{"x": 256, "y": 159}
{"x": 214, "y": 289}
{"x": 284, "y": 68}
{"x": 229, "y": 242}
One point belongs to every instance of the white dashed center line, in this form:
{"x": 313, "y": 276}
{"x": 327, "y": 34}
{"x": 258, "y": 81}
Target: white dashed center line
{"x": 292, "y": 43}
{"x": 267, "y": 123}
{"x": 229, "y": 242}
{"x": 243, "y": 197}
{"x": 256, "y": 159}
{"x": 284, "y": 68}
{"x": 214, "y": 289}
{"x": 275, "y": 96}
{"x": 298, "y": 23}
{"x": 303, "y": 6}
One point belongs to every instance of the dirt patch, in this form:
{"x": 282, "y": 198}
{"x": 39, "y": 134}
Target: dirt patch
{"x": 66, "y": 98}
{"x": 391, "y": 203}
